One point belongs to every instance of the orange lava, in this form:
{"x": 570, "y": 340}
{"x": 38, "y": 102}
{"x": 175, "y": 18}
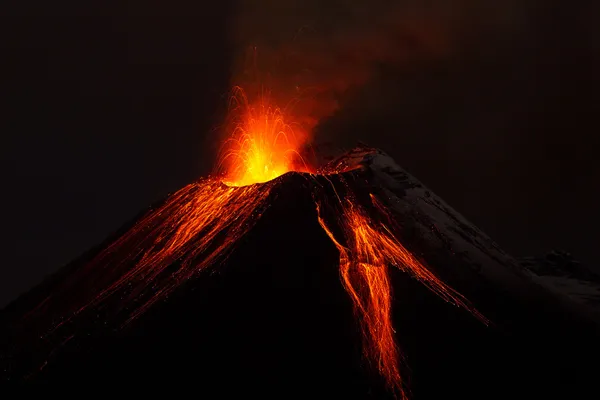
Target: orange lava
{"x": 370, "y": 249}
{"x": 198, "y": 226}
{"x": 367, "y": 282}
{"x": 195, "y": 228}
{"x": 261, "y": 144}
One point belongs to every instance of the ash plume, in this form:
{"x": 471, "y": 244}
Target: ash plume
{"x": 317, "y": 51}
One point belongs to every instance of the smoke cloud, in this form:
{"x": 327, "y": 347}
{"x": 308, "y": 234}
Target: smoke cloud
{"x": 316, "y": 51}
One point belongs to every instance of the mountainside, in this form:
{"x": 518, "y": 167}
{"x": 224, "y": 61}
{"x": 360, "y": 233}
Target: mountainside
{"x": 439, "y": 226}
{"x": 560, "y": 273}
{"x": 271, "y": 316}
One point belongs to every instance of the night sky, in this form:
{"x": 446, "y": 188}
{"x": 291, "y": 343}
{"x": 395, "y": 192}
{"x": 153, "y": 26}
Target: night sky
{"x": 106, "y": 108}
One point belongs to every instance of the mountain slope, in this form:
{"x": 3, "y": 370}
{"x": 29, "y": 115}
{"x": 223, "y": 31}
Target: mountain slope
{"x": 272, "y": 318}
{"x": 439, "y": 226}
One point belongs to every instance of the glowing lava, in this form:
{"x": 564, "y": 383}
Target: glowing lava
{"x": 201, "y": 223}
{"x": 195, "y": 228}
{"x": 262, "y": 145}
{"x": 370, "y": 249}
{"x": 198, "y": 226}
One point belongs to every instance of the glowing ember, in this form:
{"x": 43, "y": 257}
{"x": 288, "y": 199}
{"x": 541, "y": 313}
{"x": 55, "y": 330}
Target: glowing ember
{"x": 262, "y": 145}
{"x": 198, "y": 226}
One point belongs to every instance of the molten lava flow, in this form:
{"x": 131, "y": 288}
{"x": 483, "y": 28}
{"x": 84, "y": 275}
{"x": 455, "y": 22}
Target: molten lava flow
{"x": 195, "y": 228}
{"x": 201, "y": 223}
{"x": 367, "y": 282}
{"x": 371, "y": 248}
{"x": 198, "y": 226}
{"x": 262, "y": 145}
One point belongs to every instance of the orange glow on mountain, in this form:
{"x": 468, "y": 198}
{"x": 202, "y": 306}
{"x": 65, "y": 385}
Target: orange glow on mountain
{"x": 370, "y": 249}
{"x": 197, "y": 227}
{"x": 365, "y": 277}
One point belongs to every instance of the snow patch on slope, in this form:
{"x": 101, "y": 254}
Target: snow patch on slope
{"x": 438, "y": 220}
{"x": 562, "y": 274}
{"x": 446, "y": 229}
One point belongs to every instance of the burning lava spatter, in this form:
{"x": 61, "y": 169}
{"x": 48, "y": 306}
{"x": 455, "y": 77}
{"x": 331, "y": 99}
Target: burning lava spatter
{"x": 198, "y": 226}
{"x": 262, "y": 144}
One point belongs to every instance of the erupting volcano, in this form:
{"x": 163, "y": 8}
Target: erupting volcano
{"x": 265, "y": 201}
{"x": 262, "y": 144}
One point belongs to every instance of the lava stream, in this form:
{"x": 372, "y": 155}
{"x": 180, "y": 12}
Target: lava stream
{"x": 198, "y": 226}
{"x": 369, "y": 287}
{"x": 370, "y": 249}
{"x": 195, "y": 228}
{"x": 197, "y": 231}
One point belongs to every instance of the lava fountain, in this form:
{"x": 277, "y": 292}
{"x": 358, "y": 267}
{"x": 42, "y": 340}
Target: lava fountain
{"x": 261, "y": 143}
{"x": 199, "y": 225}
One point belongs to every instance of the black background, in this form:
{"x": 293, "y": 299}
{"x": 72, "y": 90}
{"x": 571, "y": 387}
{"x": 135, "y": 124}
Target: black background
{"x": 106, "y": 107}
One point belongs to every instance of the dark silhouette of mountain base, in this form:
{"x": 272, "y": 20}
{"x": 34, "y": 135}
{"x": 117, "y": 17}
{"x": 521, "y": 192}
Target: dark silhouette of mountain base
{"x": 273, "y": 320}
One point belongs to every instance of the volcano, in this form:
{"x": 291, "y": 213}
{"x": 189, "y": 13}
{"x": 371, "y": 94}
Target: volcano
{"x": 356, "y": 281}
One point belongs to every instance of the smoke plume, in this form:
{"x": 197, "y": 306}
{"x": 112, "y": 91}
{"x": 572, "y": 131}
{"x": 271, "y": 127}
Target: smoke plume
{"x": 313, "y": 52}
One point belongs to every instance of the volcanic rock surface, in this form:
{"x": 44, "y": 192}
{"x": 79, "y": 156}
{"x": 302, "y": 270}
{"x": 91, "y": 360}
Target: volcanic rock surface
{"x": 272, "y": 319}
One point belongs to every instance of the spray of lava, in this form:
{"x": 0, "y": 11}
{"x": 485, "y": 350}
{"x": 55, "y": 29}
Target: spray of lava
{"x": 198, "y": 226}
{"x": 261, "y": 145}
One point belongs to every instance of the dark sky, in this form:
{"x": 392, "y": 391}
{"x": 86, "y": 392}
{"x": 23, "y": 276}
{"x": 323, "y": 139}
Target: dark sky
{"x": 106, "y": 108}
